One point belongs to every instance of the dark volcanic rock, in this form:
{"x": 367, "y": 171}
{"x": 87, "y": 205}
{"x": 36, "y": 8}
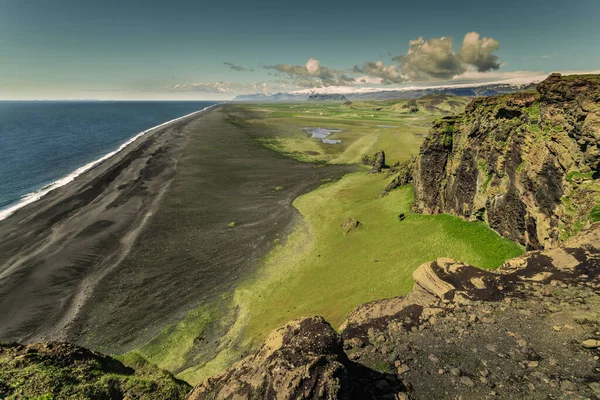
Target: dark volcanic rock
{"x": 303, "y": 360}
{"x": 378, "y": 161}
{"x": 519, "y": 161}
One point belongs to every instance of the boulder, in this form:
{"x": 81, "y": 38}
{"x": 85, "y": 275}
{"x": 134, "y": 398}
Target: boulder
{"x": 302, "y": 360}
{"x": 350, "y": 224}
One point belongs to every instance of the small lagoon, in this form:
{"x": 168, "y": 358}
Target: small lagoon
{"x": 322, "y": 134}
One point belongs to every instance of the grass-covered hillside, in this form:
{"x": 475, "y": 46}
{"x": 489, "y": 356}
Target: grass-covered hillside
{"x": 328, "y": 270}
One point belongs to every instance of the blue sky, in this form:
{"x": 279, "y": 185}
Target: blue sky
{"x": 177, "y": 49}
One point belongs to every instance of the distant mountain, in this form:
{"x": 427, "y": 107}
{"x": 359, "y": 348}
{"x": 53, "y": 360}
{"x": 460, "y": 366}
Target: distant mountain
{"x": 468, "y": 90}
{"x": 272, "y": 97}
{"x": 327, "y": 97}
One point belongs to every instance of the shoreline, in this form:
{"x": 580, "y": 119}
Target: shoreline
{"x": 32, "y": 197}
{"x": 135, "y": 242}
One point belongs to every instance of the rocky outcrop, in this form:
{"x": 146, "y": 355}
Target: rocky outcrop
{"x": 302, "y": 360}
{"x": 526, "y": 163}
{"x": 377, "y": 161}
{"x": 65, "y": 371}
{"x": 403, "y": 175}
{"x": 350, "y": 224}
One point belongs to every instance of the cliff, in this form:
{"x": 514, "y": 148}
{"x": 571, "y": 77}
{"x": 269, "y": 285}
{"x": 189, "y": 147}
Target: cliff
{"x": 526, "y": 163}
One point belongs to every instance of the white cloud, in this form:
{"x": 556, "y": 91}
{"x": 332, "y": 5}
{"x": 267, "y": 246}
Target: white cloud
{"x": 480, "y": 52}
{"x": 430, "y": 59}
{"x": 313, "y": 66}
{"x": 387, "y": 74}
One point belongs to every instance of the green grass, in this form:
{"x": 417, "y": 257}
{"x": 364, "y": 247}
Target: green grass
{"x": 317, "y": 270}
{"x": 232, "y": 224}
{"x": 326, "y": 273}
{"x": 172, "y": 348}
{"x": 595, "y": 214}
{"x": 278, "y": 188}
{"x": 577, "y": 175}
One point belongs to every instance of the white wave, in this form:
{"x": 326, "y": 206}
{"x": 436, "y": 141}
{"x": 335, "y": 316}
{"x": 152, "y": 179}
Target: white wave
{"x": 38, "y": 194}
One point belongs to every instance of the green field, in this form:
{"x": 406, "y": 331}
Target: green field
{"x": 366, "y": 127}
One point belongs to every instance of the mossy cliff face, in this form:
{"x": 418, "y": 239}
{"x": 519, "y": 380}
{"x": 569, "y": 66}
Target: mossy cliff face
{"x": 527, "y": 163}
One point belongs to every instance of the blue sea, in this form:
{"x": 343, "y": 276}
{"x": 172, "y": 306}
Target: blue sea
{"x": 44, "y": 144}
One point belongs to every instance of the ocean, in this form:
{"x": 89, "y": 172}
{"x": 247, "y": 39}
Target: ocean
{"x": 46, "y": 144}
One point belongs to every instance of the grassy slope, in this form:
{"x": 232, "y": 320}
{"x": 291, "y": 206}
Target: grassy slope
{"x": 331, "y": 273}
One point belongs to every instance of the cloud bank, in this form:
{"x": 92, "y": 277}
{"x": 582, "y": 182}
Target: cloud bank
{"x": 235, "y": 67}
{"x": 312, "y": 74}
{"x": 224, "y": 87}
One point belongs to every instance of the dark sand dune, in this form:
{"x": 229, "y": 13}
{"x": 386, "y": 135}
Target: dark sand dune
{"x": 131, "y": 245}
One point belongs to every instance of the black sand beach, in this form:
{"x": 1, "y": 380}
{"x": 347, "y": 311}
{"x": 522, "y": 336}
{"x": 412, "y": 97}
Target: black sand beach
{"x": 139, "y": 240}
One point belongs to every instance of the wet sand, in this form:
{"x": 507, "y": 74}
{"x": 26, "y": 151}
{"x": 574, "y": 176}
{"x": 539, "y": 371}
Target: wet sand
{"x": 133, "y": 244}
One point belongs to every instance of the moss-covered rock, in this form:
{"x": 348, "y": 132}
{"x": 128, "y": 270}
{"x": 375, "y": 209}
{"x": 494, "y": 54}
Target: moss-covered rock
{"x": 517, "y": 160}
{"x": 65, "y": 371}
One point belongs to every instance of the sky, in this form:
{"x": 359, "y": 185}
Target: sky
{"x": 180, "y": 49}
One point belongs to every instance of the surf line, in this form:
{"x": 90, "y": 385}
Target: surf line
{"x": 38, "y": 194}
